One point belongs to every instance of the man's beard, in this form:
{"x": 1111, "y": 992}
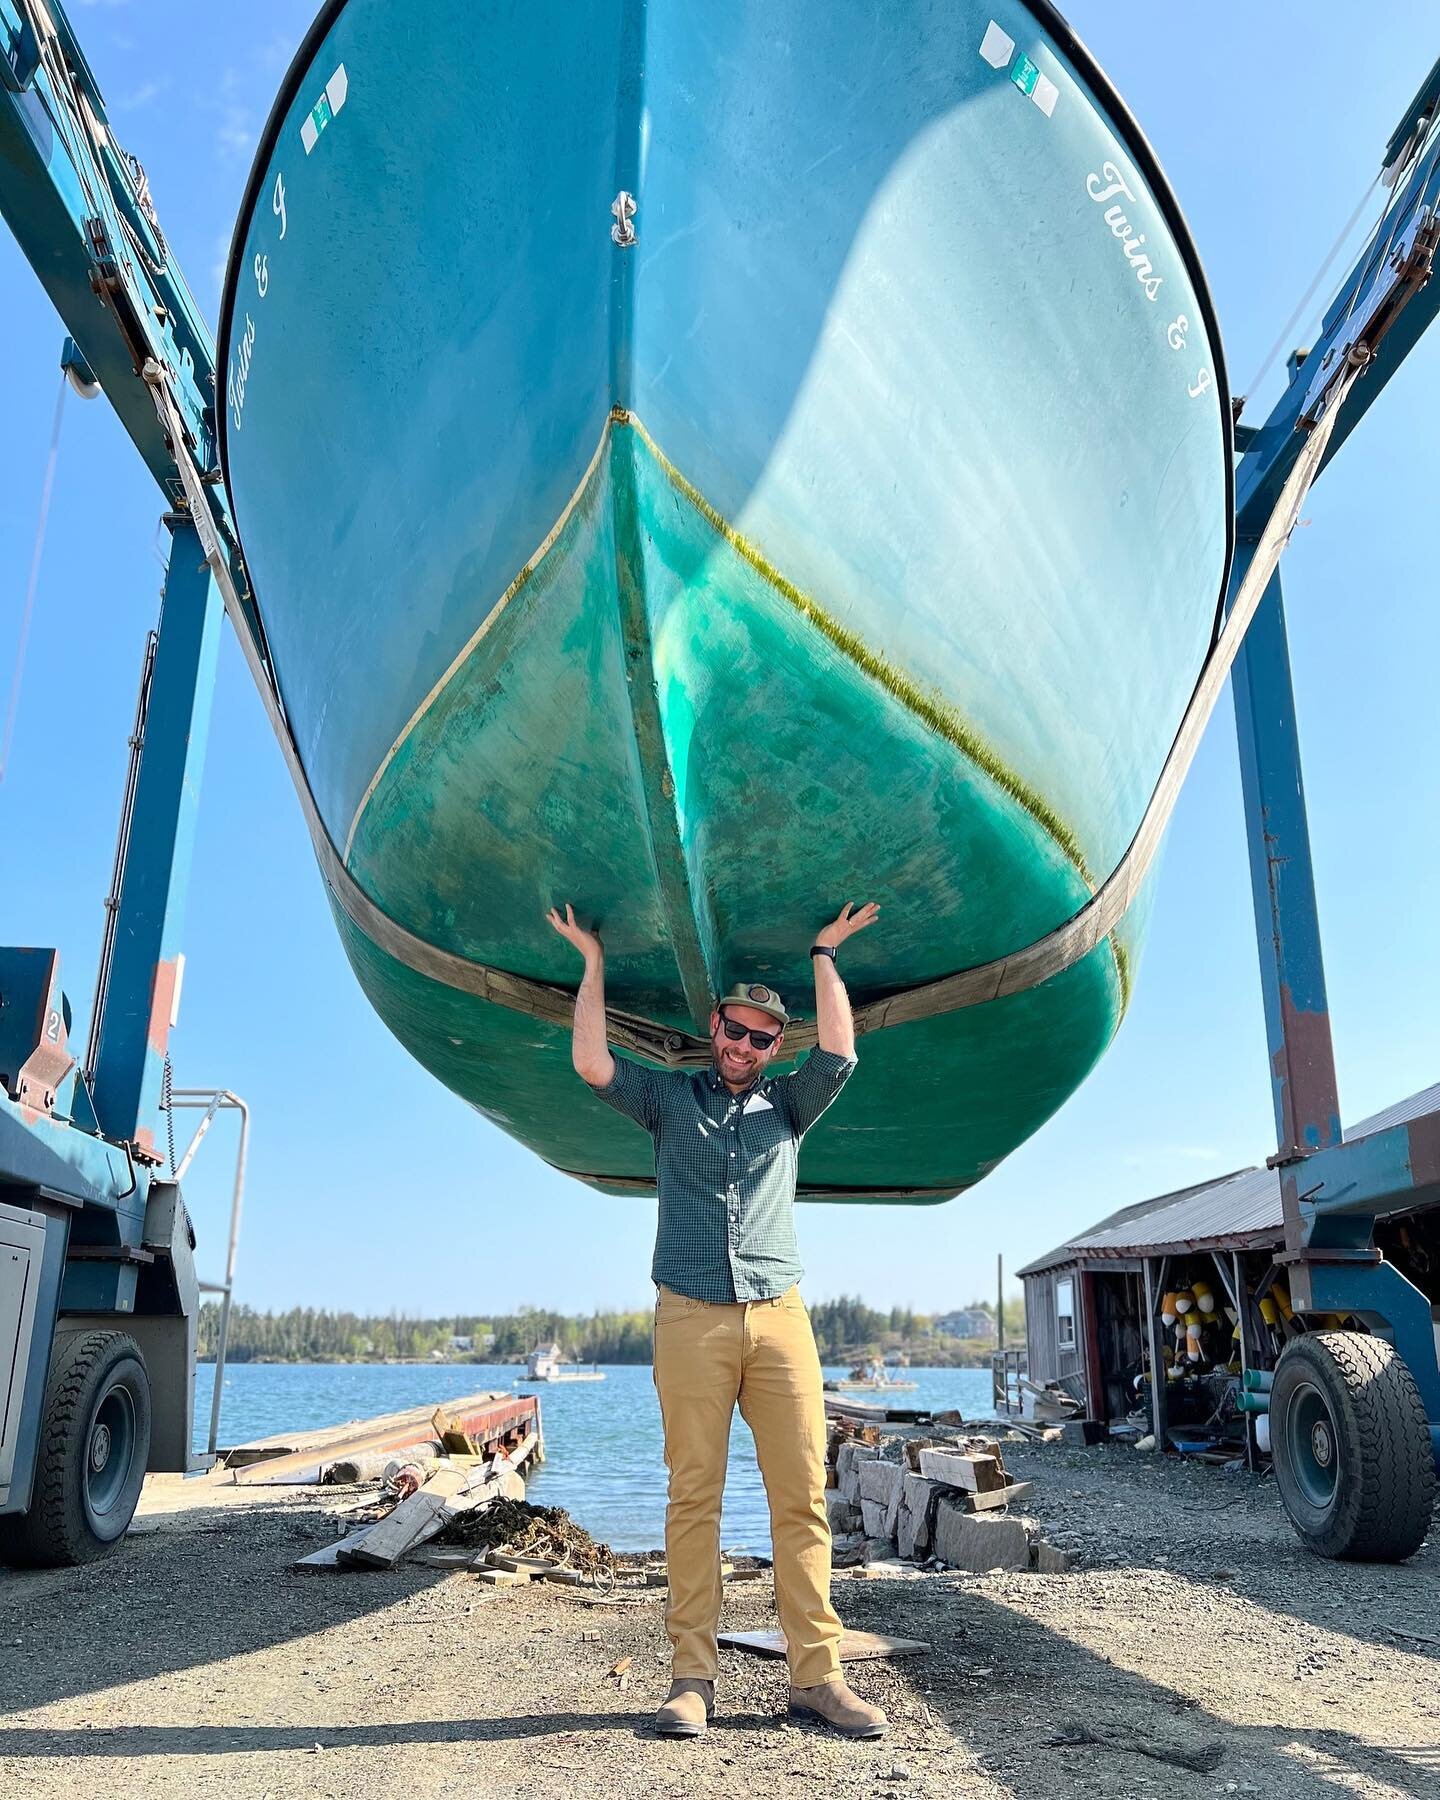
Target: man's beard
{"x": 743, "y": 1070}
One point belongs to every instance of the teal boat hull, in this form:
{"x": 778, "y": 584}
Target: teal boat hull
{"x": 857, "y": 531}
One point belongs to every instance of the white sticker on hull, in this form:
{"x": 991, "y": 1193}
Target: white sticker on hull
{"x": 997, "y": 46}
{"x": 325, "y": 108}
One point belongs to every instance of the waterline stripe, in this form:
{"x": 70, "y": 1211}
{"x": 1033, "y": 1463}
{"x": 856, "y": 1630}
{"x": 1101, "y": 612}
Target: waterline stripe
{"x": 934, "y": 712}
{"x": 547, "y": 543}
{"x": 941, "y": 718}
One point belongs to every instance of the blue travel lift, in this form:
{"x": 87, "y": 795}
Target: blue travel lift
{"x": 98, "y": 1292}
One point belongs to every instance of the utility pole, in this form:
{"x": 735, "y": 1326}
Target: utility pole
{"x": 1000, "y": 1304}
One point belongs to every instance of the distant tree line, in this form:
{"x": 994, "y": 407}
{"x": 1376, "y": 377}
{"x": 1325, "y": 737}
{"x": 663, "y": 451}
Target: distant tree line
{"x": 845, "y": 1330}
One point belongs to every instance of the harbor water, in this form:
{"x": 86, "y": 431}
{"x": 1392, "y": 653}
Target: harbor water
{"x": 605, "y": 1462}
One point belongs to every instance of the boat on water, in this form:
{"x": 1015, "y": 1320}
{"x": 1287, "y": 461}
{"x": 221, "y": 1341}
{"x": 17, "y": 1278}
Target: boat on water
{"x": 707, "y": 464}
{"x": 873, "y": 1377}
{"x": 547, "y": 1363}
{"x": 869, "y": 1387}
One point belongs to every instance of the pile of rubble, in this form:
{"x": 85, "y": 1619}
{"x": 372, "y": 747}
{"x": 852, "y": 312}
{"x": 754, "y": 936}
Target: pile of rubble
{"x": 928, "y": 1495}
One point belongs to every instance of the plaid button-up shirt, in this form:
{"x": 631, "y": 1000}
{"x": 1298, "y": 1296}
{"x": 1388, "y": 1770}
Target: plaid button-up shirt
{"x": 725, "y": 1167}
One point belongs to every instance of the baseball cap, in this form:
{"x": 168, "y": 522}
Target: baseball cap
{"x": 755, "y": 993}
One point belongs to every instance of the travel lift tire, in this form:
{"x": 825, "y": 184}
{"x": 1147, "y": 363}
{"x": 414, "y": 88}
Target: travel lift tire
{"x": 94, "y": 1447}
{"x": 1351, "y": 1445}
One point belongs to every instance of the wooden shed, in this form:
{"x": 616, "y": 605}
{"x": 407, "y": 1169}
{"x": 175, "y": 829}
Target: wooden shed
{"x": 1092, "y": 1304}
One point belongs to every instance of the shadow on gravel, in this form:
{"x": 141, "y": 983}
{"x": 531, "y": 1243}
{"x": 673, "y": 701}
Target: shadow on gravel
{"x": 176, "y": 1599}
{"x": 1039, "y": 1688}
{"x": 221, "y": 1740}
{"x": 1192, "y": 1522}
{"x": 1007, "y": 1687}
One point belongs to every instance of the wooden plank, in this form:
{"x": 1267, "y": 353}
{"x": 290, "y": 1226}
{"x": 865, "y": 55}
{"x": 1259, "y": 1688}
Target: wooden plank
{"x": 329, "y": 1557}
{"x": 855, "y": 1646}
{"x": 419, "y": 1518}
{"x": 414, "y": 1521}
{"x": 443, "y": 1556}
{"x": 452, "y": 1437}
{"x": 531, "y": 1565}
{"x": 1009, "y": 1495}
{"x": 1004, "y": 1496}
{"x": 975, "y": 1474}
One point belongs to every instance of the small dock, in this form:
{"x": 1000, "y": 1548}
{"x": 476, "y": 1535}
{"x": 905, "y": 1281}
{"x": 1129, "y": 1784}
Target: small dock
{"x": 490, "y": 1424}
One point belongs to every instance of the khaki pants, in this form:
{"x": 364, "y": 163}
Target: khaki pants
{"x": 762, "y": 1354}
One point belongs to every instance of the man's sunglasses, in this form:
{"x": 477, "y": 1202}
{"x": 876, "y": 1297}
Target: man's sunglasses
{"x": 762, "y": 1040}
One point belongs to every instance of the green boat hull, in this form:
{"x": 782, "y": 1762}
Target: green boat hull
{"x": 849, "y": 523}
{"x": 555, "y": 736}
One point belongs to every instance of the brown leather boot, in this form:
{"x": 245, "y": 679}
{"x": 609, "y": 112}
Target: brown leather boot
{"x": 687, "y": 1708}
{"x": 834, "y": 1704}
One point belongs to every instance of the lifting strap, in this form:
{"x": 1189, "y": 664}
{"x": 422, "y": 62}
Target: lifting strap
{"x": 1037, "y": 962}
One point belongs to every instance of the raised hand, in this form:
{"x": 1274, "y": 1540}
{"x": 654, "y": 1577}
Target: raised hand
{"x": 851, "y": 920}
{"x": 586, "y": 942}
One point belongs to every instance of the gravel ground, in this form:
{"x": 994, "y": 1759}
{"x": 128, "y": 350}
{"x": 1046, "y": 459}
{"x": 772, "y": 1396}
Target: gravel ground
{"x": 1204, "y": 1649}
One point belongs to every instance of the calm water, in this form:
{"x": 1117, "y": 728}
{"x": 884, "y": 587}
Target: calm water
{"x": 605, "y": 1463}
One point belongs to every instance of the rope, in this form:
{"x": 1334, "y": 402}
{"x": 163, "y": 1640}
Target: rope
{"x": 1425, "y": 141}
{"x": 1301, "y": 311}
{"x": 32, "y": 585}
{"x": 167, "y": 1107}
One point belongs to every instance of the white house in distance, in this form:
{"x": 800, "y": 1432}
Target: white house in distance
{"x": 967, "y": 1322}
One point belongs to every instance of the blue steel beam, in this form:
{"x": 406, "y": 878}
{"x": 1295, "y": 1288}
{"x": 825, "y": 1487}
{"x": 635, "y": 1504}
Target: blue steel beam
{"x": 1332, "y": 1191}
{"x": 38, "y": 1150}
{"x": 1381, "y": 310}
{"x": 79, "y": 208}
{"x": 1384, "y": 1171}
{"x": 1383, "y": 306}
{"x": 1282, "y": 880}
{"x": 141, "y": 992}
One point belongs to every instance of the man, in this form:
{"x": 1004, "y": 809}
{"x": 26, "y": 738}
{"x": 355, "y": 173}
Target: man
{"x": 730, "y": 1325}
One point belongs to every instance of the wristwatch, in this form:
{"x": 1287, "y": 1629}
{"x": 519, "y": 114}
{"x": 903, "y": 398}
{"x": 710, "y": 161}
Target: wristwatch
{"x": 823, "y": 950}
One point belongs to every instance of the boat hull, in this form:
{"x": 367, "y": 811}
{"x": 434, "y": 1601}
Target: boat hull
{"x": 856, "y": 533}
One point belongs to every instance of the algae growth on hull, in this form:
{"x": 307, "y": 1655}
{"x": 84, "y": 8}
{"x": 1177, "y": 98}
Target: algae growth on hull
{"x": 689, "y": 753}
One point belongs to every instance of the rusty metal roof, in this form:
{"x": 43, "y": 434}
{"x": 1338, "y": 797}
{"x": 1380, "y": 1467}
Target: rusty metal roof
{"x": 1401, "y": 1113}
{"x": 1237, "y": 1212}
{"x": 1127, "y": 1224}
{"x": 1240, "y": 1210}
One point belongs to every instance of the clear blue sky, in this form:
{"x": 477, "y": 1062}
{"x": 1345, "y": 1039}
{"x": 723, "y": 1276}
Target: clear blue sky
{"x": 374, "y": 1188}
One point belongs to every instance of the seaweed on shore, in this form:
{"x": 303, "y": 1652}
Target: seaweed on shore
{"x": 522, "y": 1529}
